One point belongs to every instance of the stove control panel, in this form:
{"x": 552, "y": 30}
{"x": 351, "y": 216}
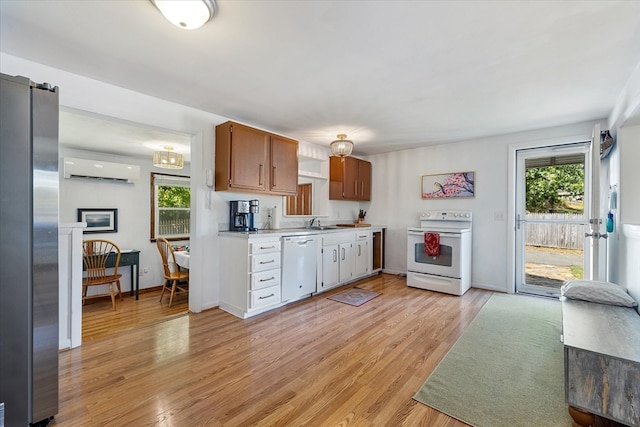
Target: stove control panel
{"x": 446, "y": 216}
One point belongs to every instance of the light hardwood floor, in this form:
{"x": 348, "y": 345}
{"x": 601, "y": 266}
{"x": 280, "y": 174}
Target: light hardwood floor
{"x": 315, "y": 363}
{"x": 99, "y": 320}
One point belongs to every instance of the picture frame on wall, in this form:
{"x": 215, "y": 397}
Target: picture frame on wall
{"x": 449, "y": 185}
{"x": 99, "y": 220}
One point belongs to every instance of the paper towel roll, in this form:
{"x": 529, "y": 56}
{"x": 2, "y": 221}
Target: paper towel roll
{"x": 275, "y": 217}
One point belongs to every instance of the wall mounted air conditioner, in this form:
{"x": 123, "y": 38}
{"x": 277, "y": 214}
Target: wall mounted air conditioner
{"x": 95, "y": 169}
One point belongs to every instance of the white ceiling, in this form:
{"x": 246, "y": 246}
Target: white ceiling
{"x": 86, "y": 131}
{"x": 390, "y": 74}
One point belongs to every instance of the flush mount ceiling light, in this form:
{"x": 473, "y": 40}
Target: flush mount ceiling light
{"x": 168, "y": 159}
{"x": 187, "y": 14}
{"x": 341, "y": 147}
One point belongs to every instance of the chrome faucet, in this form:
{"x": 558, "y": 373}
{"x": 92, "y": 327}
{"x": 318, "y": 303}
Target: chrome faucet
{"x": 311, "y": 221}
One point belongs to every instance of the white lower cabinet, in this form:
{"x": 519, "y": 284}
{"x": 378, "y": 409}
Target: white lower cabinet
{"x": 255, "y": 278}
{"x": 250, "y": 274}
{"x": 362, "y": 254}
{"x": 337, "y": 260}
{"x": 264, "y": 297}
{"x": 329, "y": 267}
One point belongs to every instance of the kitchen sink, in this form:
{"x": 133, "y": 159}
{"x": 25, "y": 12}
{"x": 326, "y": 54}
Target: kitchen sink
{"x": 322, "y": 227}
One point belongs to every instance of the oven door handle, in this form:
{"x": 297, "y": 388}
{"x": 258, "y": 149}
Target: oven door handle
{"x": 421, "y": 233}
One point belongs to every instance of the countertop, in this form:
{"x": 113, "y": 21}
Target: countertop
{"x": 299, "y": 231}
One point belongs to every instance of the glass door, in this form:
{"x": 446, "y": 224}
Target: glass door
{"x": 550, "y": 217}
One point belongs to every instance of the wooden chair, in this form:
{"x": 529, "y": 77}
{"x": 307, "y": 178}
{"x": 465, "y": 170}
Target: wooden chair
{"x": 173, "y": 276}
{"x": 95, "y": 254}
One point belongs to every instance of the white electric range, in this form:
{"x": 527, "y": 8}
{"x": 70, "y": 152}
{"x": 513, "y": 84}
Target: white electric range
{"x": 450, "y": 271}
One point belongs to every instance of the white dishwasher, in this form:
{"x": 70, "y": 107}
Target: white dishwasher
{"x": 299, "y": 263}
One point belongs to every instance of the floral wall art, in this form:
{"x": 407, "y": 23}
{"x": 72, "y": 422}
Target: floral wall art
{"x": 448, "y": 185}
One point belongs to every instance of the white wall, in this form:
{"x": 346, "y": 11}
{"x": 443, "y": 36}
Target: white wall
{"x": 628, "y": 140}
{"x": 396, "y": 196}
{"x": 97, "y": 97}
{"x": 628, "y": 265}
{"x": 209, "y": 209}
{"x": 134, "y": 210}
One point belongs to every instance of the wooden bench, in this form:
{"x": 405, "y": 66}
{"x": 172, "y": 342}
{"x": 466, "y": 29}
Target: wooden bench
{"x": 601, "y": 362}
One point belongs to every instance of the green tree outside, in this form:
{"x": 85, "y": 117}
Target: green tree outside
{"x": 174, "y": 197}
{"x": 552, "y": 188}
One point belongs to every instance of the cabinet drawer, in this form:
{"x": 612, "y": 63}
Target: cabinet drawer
{"x": 264, "y": 247}
{"x": 363, "y": 235}
{"x": 265, "y": 297}
{"x": 265, "y": 279}
{"x": 265, "y": 262}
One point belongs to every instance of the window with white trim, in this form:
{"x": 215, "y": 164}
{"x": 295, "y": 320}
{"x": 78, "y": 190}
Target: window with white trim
{"x": 171, "y": 206}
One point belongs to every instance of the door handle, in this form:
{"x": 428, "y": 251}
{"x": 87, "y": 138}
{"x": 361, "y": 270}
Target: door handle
{"x": 274, "y": 177}
{"x": 596, "y": 235}
{"x": 335, "y": 255}
{"x": 260, "y": 174}
{"x": 343, "y": 253}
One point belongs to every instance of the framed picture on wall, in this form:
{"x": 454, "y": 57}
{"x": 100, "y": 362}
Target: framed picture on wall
{"x": 99, "y": 220}
{"x": 449, "y": 185}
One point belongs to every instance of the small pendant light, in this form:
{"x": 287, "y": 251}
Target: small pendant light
{"x": 341, "y": 147}
{"x": 168, "y": 159}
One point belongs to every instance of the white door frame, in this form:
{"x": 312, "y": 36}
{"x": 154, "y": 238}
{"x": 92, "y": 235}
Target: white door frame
{"x": 522, "y": 154}
{"x": 511, "y": 193}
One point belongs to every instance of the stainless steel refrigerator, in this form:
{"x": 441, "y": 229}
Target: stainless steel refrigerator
{"x": 28, "y": 252}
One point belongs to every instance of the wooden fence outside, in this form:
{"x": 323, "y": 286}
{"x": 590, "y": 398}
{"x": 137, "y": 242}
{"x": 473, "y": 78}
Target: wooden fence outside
{"x": 558, "y": 235}
{"x": 174, "y": 227}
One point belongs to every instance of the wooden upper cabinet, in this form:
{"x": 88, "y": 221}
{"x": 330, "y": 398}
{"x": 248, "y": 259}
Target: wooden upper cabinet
{"x": 255, "y": 161}
{"x": 248, "y": 158}
{"x": 349, "y": 179}
{"x": 284, "y": 165}
{"x": 364, "y": 175}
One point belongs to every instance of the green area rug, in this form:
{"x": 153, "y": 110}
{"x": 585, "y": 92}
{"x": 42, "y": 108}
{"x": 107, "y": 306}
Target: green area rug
{"x": 507, "y": 369}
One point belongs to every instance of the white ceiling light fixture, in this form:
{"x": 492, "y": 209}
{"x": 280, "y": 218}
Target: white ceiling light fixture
{"x": 341, "y": 147}
{"x": 187, "y": 14}
{"x": 168, "y": 159}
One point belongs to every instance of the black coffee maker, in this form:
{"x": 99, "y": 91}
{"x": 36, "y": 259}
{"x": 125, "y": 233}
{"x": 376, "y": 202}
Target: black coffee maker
{"x": 241, "y": 215}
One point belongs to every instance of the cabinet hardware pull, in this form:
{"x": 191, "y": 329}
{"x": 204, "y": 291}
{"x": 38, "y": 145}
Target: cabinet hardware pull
{"x": 362, "y": 188}
{"x": 267, "y": 262}
{"x": 267, "y": 247}
{"x": 359, "y": 250}
{"x": 274, "y": 177}
{"x": 260, "y": 172}
{"x": 266, "y": 280}
{"x": 268, "y": 296}
{"x": 335, "y": 255}
{"x": 343, "y": 253}
{"x": 355, "y": 187}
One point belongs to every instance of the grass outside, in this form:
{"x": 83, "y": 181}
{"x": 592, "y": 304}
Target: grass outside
{"x": 552, "y": 266}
